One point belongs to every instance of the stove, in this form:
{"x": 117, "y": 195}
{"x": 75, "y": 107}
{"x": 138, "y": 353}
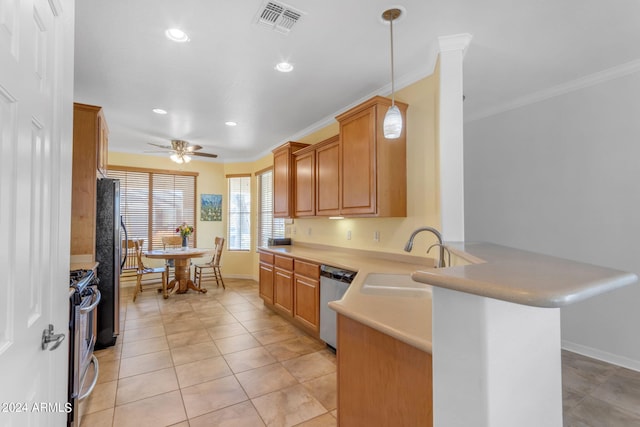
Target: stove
{"x": 84, "y": 300}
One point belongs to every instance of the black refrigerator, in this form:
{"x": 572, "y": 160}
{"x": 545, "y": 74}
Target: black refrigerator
{"x": 108, "y": 254}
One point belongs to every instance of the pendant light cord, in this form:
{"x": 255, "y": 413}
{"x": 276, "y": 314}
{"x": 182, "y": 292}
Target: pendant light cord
{"x": 392, "y": 77}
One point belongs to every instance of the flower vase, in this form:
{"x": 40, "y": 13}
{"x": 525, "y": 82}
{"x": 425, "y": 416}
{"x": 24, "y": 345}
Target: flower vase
{"x": 185, "y": 242}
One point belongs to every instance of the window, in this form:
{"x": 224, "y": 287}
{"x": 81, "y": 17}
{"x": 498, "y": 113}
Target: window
{"x": 239, "y": 212}
{"x": 154, "y": 203}
{"x": 268, "y": 226}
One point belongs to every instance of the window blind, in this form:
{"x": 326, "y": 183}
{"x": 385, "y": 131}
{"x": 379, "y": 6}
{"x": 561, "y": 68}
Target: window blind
{"x": 153, "y": 204}
{"x": 239, "y": 213}
{"x": 268, "y": 226}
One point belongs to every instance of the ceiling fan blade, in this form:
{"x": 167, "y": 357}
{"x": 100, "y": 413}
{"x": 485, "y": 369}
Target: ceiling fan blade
{"x": 192, "y": 148}
{"x": 166, "y": 147}
{"x": 213, "y": 156}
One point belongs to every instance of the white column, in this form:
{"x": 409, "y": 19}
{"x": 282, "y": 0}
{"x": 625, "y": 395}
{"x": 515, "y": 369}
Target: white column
{"x": 451, "y": 50}
{"x": 495, "y": 363}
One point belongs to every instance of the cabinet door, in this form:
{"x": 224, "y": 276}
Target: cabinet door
{"x": 283, "y": 290}
{"x": 357, "y": 162}
{"x": 281, "y": 189}
{"x": 307, "y": 301}
{"x": 103, "y": 145}
{"x": 328, "y": 179}
{"x": 266, "y": 282}
{"x": 305, "y": 200}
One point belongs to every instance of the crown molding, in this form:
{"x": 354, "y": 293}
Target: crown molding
{"x": 454, "y": 42}
{"x": 562, "y": 89}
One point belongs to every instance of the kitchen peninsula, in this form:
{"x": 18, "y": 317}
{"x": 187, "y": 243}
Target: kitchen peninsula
{"x": 495, "y": 336}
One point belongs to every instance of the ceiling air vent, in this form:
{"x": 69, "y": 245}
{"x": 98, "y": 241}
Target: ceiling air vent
{"x": 278, "y": 16}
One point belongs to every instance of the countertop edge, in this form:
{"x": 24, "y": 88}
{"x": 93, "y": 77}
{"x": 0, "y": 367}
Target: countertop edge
{"x": 523, "y": 277}
{"x": 420, "y": 344}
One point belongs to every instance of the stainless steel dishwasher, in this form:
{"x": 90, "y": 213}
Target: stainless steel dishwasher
{"x": 333, "y": 284}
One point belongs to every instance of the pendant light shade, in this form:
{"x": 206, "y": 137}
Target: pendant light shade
{"x": 392, "y": 125}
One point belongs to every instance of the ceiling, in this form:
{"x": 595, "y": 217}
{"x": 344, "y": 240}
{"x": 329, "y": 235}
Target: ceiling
{"x": 340, "y": 51}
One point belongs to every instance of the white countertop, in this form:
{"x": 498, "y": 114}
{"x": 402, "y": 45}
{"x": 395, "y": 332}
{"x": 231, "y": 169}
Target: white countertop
{"x": 406, "y": 318}
{"x": 524, "y": 277}
{"x": 493, "y": 271}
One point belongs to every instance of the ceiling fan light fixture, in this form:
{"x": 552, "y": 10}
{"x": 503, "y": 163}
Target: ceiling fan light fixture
{"x": 392, "y": 125}
{"x": 284, "y": 67}
{"x": 186, "y": 158}
{"x": 176, "y": 158}
{"x": 176, "y": 35}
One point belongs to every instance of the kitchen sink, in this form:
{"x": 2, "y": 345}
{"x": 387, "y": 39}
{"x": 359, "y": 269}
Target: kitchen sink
{"x": 394, "y": 285}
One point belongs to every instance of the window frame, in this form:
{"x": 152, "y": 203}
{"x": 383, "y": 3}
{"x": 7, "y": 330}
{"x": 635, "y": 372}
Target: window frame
{"x": 277, "y": 226}
{"x": 233, "y": 211}
{"x": 116, "y": 172}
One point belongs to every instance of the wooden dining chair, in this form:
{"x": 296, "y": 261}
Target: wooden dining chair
{"x": 170, "y": 242}
{"x": 144, "y": 270}
{"x": 131, "y": 263}
{"x": 211, "y": 269}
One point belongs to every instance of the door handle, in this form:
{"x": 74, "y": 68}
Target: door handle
{"x": 48, "y": 336}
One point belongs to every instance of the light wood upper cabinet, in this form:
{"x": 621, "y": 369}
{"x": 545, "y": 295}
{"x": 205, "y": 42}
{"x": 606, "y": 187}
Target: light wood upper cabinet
{"x": 283, "y": 182}
{"x": 305, "y": 177}
{"x": 90, "y": 147}
{"x": 328, "y": 177}
{"x": 317, "y": 185}
{"x": 373, "y": 176}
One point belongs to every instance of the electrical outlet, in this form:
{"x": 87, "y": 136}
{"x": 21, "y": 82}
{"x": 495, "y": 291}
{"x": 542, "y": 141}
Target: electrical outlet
{"x": 349, "y": 235}
{"x": 309, "y": 231}
{"x": 376, "y": 236}
{"x": 293, "y": 231}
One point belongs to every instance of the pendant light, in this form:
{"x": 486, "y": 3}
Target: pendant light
{"x": 392, "y": 124}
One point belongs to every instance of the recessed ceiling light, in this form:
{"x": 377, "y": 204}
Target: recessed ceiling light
{"x": 176, "y": 35}
{"x": 284, "y": 67}
{"x": 159, "y": 111}
{"x": 231, "y": 124}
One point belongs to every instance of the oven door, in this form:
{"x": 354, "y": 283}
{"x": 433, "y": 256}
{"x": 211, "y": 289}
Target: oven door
{"x": 83, "y": 378}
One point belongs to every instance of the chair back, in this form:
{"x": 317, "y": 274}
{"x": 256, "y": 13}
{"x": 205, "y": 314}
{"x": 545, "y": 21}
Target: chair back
{"x": 171, "y": 242}
{"x": 138, "y": 249}
{"x": 131, "y": 263}
{"x": 217, "y": 255}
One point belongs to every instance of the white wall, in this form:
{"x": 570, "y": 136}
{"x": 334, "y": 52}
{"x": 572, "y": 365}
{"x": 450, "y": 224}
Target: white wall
{"x": 561, "y": 176}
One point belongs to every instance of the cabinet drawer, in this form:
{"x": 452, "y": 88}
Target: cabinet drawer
{"x": 307, "y": 269}
{"x": 266, "y": 257}
{"x": 284, "y": 262}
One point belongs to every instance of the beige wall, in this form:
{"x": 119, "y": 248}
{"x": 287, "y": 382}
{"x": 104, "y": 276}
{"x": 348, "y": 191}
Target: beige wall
{"x": 422, "y": 184}
{"x": 422, "y": 190}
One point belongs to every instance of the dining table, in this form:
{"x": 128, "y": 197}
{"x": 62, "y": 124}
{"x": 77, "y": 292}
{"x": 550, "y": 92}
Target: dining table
{"x": 181, "y": 257}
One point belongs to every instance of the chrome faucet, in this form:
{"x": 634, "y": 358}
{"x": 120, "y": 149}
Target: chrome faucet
{"x": 409, "y": 244}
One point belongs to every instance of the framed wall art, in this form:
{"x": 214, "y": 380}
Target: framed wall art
{"x": 211, "y": 207}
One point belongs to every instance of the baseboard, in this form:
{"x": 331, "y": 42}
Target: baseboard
{"x": 601, "y": 355}
{"x": 240, "y": 276}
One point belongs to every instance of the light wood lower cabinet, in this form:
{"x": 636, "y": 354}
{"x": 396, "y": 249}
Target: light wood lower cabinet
{"x": 283, "y": 283}
{"x": 291, "y": 287}
{"x": 266, "y": 277}
{"x": 307, "y": 304}
{"x": 381, "y": 381}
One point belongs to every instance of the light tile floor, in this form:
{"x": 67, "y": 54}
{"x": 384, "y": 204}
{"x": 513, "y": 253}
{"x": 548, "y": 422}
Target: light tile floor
{"x": 222, "y": 359}
{"x": 213, "y": 359}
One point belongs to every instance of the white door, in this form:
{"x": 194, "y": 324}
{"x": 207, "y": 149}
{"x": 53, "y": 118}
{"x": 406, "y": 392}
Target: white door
{"x": 36, "y": 113}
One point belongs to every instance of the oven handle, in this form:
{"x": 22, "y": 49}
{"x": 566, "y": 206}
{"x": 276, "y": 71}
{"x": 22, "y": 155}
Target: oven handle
{"x": 96, "y": 367}
{"x": 98, "y": 297}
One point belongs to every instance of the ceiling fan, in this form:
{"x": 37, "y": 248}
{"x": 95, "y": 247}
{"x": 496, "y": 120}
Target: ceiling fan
{"x": 181, "y": 151}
